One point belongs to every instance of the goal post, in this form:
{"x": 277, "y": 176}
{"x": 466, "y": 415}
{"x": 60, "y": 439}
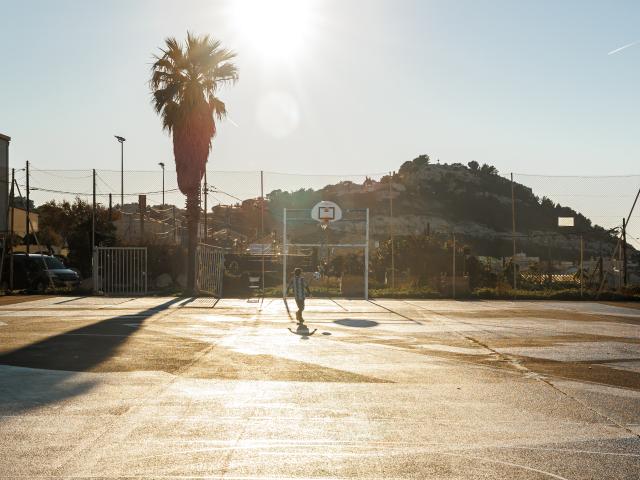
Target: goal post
{"x": 325, "y": 226}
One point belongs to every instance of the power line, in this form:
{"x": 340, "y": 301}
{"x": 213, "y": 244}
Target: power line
{"x": 632, "y": 175}
{"x": 54, "y": 173}
{"x": 65, "y": 192}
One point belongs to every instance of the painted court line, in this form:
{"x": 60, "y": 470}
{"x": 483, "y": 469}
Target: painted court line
{"x": 395, "y": 313}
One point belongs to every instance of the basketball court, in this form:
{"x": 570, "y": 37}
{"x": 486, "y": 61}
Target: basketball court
{"x": 206, "y": 388}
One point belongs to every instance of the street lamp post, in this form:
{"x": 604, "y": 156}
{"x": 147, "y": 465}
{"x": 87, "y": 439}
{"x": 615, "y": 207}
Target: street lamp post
{"x": 162, "y": 166}
{"x": 121, "y": 140}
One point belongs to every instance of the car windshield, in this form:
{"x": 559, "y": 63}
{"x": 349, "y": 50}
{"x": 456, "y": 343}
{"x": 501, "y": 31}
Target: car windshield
{"x": 53, "y": 263}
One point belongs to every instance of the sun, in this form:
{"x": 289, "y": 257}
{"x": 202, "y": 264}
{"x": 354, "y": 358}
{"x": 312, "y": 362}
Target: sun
{"x": 278, "y": 29}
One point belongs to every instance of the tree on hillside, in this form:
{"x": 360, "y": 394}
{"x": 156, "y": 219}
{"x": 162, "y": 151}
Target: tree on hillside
{"x": 421, "y": 160}
{"x": 185, "y": 81}
{"x": 473, "y": 166}
{"x": 411, "y": 166}
{"x": 488, "y": 169}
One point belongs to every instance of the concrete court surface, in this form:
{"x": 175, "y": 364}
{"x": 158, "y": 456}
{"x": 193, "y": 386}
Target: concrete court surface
{"x": 193, "y": 388}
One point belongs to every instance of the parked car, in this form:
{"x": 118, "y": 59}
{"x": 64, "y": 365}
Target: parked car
{"x": 37, "y": 272}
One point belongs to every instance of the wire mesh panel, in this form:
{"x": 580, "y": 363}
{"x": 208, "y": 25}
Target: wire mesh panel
{"x": 120, "y": 270}
{"x": 210, "y": 269}
{"x": 569, "y": 230}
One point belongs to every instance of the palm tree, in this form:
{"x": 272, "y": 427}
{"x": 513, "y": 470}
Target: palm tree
{"x": 184, "y": 81}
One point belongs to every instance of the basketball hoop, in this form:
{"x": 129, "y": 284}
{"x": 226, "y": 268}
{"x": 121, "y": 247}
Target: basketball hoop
{"x": 326, "y": 212}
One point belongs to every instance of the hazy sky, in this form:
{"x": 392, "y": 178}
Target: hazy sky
{"x": 342, "y": 86}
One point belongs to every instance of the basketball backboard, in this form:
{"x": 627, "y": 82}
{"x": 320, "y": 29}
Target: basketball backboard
{"x": 326, "y": 211}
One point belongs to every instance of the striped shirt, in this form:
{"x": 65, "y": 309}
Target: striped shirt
{"x": 299, "y": 285}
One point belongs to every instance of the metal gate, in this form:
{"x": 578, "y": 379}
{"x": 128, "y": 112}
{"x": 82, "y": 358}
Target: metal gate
{"x": 209, "y": 269}
{"x": 120, "y": 270}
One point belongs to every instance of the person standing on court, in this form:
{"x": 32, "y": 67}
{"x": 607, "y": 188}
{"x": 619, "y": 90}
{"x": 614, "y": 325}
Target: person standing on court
{"x": 300, "y": 291}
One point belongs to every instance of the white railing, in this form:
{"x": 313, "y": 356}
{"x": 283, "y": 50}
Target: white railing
{"x": 120, "y": 270}
{"x": 209, "y": 269}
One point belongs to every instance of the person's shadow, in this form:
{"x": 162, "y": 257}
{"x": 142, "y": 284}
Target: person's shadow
{"x": 303, "y": 331}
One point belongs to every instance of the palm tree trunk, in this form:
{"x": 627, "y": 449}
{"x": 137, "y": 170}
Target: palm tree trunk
{"x": 193, "y": 219}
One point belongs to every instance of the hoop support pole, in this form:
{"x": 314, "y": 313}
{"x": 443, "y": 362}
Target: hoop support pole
{"x": 366, "y": 260}
{"x": 284, "y": 253}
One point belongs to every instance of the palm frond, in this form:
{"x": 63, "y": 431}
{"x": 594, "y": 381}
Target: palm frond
{"x": 218, "y": 108}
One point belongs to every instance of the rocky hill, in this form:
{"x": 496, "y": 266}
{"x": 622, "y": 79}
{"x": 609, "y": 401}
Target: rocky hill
{"x": 471, "y": 200}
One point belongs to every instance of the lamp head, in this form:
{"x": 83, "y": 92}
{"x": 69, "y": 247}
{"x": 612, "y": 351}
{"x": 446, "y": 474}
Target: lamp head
{"x": 120, "y": 139}
{"x": 161, "y": 164}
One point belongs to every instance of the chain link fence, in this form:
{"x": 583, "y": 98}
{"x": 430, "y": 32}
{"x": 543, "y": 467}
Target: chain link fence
{"x": 455, "y": 229}
{"x": 588, "y": 237}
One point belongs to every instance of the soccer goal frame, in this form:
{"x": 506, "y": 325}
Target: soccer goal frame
{"x": 364, "y": 245}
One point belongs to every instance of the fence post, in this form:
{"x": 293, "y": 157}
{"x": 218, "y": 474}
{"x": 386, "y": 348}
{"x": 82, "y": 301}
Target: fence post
{"x": 624, "y": 252}
{"x": 93, "y": 213}
{"x": 453, "y": 277}
{"x": 549, "y": 267}
{"x": 620, "y": 266}
{"x": 94, "y": 259}
{"x": 142, "y": 207}
{"x": 262, "y": 227}
{"x": 146, "y": 276}
{"x": 581, "y": 264}
{"x": 28, "y": 211}
{"x": 513, "y": 232}
{"x": 206, "y": 191}
{"x": 175, "y": 229}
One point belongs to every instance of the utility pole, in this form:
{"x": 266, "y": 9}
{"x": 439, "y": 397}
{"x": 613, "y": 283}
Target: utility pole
{"x": 13, "y": 203}
{"x": 262, "y": 226}
{"x": 110, "y": 208}
{"x": 93, "y": 215}
{"x": 393, "y": 259}
{"x": 513, "y": 233}
{"x": 28, "y": 211}
{"x": 624, "y": 252}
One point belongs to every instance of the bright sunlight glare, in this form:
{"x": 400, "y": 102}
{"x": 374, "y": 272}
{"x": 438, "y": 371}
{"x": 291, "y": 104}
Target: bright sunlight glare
{"x": 276, "y": 28}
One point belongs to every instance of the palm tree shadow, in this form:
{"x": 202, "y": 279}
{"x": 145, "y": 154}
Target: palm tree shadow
{"x": 79, "y": 350}
{"x": 25, "y": 389}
